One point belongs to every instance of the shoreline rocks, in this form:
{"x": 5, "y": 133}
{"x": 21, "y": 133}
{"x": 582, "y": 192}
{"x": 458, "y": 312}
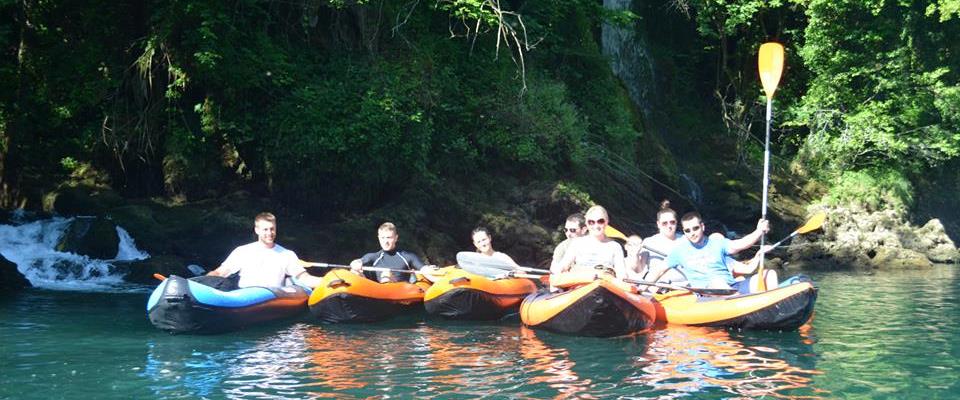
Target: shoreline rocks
{"x": 854, "y": 238}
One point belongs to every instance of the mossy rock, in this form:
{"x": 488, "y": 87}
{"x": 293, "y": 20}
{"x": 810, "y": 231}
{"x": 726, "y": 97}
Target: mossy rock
{"x": 142, "y": 271}
{"x": 80, "y": 200}
{"x": 94, "y": 237}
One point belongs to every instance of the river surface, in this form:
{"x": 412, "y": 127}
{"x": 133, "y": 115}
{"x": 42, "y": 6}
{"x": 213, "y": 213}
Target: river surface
{"x": 885, "y": 335}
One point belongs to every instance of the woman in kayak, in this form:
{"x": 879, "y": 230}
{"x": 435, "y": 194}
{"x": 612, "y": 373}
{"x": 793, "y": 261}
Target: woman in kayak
{"x": 595, "y": 250}
{"x": 484, "y": 244}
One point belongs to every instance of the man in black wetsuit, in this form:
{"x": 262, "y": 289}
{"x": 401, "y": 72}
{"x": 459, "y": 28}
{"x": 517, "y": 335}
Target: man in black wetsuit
{"x": 388, "y": 257}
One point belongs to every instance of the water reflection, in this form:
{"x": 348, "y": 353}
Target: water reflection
{"x": 476, "y": 360}
{"x": 686, "y": 360}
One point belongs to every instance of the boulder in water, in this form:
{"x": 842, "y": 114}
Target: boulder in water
{"x": 93, "y": 237}
{"x": 11, "y": 279}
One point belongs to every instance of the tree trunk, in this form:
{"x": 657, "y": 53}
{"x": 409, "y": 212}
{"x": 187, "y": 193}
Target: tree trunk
{"x": 13, "y": 126}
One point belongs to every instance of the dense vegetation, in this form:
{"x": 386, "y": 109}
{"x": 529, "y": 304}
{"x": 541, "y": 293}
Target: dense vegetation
{"x": 337, "y": 107}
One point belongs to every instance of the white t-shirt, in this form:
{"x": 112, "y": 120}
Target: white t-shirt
{"x": 659, "y": 243}
{"x": 589, "y": 253}
{"x": 260, "y": 266}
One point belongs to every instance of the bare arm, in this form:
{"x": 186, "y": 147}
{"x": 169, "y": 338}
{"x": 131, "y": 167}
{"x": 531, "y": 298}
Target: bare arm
{"x": 221, "y": 271}
{"x": 567, "y": 261}
{"x": 736, "y": 246}
{"x": 309, "y": 280}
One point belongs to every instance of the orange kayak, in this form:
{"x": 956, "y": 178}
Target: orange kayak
{"x": 783, "y": 308}
{"x": 458, "y": 294}
{"x": 343, "y": 296}
{"x": 588, "y": 306}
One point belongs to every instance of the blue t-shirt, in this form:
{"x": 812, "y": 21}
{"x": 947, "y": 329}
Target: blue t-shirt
{"x": 702, "y": 263}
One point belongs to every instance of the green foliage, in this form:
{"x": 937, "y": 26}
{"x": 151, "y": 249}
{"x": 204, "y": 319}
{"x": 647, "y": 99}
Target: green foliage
{"x": 880, "y": 97}
{"x": 946, "y": 8}
{"x": 873, "y": 189}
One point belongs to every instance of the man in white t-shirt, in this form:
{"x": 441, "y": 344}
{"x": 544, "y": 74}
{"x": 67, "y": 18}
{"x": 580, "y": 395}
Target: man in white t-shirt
{"x": 264, "y": 262}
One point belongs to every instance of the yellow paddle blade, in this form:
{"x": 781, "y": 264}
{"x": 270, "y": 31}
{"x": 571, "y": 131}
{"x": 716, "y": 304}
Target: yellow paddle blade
{"x": 770, "y": 62}
{"x": 814, "y": 223}
{"x": 612, "y": 232}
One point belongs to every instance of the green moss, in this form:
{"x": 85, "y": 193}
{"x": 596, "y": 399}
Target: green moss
{"x": 872, "y": 189}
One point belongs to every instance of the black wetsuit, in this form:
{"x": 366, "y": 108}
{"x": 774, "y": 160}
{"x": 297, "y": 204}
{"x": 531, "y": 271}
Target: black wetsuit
{"x": 397, "y": 260}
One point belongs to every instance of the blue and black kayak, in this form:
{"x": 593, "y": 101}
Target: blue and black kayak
{"x": 180, "y": 305}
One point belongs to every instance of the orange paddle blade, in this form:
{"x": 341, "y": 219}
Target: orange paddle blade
{"x": 814, "y": 223}
{"x": 770, "y": 62}
{"x": 159, "y": 277}
{"x": 613, "y": 233}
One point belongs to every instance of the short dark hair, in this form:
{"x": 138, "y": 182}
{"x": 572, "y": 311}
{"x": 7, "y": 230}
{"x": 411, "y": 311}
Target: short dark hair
{"x": 578, "y": 218}
{"x": 691, "y": 215}
{"x": 480, "y": 229}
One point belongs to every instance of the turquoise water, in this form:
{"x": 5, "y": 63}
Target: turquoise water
{"x": 889, "y": 335}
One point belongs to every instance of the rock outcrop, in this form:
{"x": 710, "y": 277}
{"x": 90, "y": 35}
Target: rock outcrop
{"x": 11, "y": 280}
{"x": 94, "y": 237}
{"x": 856, "y": 238}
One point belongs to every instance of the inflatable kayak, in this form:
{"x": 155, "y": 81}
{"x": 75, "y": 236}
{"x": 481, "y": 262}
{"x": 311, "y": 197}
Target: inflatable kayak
{"x": 180, "y": 305}
{"x": 347, "y": 297}
{"x": 588, "y": 305}
{"x": 785, "y": 308}
{"x": 458, "y": 294}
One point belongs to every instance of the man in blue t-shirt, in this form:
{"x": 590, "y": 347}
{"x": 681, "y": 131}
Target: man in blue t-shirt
{"x": 703, "y": 259}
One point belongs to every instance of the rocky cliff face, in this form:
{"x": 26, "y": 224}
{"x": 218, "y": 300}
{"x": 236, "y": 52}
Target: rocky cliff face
{"x": 855, "y": 238}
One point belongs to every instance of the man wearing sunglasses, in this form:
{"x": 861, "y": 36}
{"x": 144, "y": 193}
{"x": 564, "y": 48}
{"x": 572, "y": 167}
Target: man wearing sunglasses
{"x": 576, "y": 226}
{"x": 703, "y": 259}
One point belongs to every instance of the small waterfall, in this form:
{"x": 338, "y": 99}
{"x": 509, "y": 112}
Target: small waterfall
{"x": 630, "y": 57}
{"x": 127, "y": 250}
{"x": 694, "y": 193}
{"x": 32, "y": 246}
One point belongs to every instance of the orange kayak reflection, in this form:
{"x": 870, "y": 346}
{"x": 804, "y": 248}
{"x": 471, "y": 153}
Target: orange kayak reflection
{"x": 471, "y": 360}
{"x": 687, "y": 359}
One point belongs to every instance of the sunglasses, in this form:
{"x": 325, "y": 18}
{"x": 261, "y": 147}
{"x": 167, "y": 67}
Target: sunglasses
{"x": 666, "y": 223}
{"x": 573, "y": 230}
{"x": 600, "y": 221}
{"x": 692, "y": 229}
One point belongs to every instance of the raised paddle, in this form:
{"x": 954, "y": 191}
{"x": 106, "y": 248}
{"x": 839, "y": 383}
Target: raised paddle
{"x": 770, "y": 65}
{"x": 812, "y": 224}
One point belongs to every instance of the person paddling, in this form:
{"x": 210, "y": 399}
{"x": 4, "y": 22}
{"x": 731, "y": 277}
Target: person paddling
{"x": 264, "y": 262}
{"x": 595, "y": 249}
{"x": 388, "y": 257}
{"x": 703, "y": 259}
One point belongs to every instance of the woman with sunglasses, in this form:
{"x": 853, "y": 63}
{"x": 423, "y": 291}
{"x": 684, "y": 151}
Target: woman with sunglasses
{"x": 595, "y": 249}
{"x": 651, "y": 265}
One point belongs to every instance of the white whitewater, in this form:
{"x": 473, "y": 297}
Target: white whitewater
{"x": 32, "y": 246}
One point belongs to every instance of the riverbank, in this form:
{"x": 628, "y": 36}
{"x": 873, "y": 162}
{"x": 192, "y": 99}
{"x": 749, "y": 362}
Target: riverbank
{"x": 524, "y": 219}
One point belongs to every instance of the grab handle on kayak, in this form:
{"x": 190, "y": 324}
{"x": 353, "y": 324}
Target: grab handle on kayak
{"x": 337, "y": 283}
{"x": 461, "y": 279}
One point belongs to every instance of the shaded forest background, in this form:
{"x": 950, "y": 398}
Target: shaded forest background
{"x": 444, "y": 114}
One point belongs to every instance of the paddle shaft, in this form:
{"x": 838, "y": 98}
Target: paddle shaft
{"x": 375, "y": 269}
{"x": 714, "y": 292}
